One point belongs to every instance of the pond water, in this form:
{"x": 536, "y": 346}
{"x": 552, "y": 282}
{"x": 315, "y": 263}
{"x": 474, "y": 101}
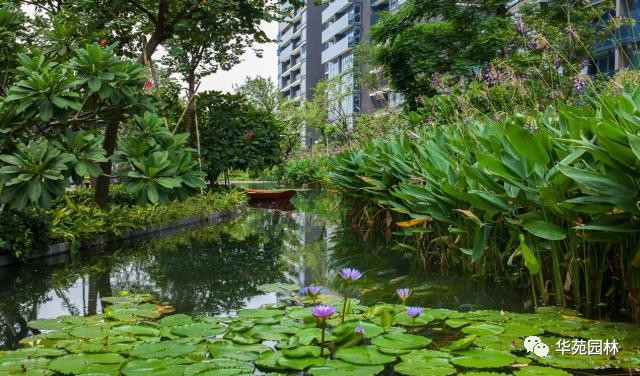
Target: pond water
{"x": 218, "y": 269}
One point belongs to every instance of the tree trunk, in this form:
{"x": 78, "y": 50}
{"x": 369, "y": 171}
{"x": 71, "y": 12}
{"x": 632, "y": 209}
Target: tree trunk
{"x": 101, "y": 195}
{"x": 189, "y": 116}
{"x": 150, "y": 47}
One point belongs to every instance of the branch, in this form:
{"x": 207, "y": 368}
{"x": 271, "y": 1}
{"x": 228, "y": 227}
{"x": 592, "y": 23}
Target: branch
{"x": 144, "y": 10}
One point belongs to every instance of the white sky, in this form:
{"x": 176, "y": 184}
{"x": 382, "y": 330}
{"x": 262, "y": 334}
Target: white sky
{"x": 251, "y": 65}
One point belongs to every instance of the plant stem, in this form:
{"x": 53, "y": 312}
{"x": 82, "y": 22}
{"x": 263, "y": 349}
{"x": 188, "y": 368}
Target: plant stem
{"x": 344, "y": 307}
{"x": 413, "y": 327}
{"x": 324, "y": 325}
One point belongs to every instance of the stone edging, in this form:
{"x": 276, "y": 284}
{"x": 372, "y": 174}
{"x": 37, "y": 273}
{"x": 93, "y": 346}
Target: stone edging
{"x": 131, "y": 236}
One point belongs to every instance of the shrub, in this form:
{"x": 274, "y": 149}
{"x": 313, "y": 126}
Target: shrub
{"x": 310, "y": 170}
{"x": 23, "y": 232}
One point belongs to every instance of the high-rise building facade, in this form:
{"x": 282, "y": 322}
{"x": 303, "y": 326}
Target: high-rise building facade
{"x": 621, "y": 50}
{"x": 317, "y": 42}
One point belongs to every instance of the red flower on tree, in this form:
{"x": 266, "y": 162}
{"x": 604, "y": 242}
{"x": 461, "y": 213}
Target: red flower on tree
{"x": 103, "y": 42}
{"x": 147, "y": 87}
{"x": 250, "y": 134}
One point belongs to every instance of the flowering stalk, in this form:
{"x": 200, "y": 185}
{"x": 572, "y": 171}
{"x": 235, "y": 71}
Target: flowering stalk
{"x": 404, "y": 295}
{"x": 323, "y": 312}
{"x": 414, "y": 312}
{"x": 350, "y": 276}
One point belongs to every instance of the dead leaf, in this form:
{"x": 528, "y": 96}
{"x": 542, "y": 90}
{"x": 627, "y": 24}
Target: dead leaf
{"x": 412, "y": 222}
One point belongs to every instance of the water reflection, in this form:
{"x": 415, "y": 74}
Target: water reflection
{"x": 218, "y": 269}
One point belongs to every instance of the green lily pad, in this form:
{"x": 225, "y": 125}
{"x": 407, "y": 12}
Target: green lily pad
{"x": 420, "y": 355}
{"x": 24, "y": 366}
{"x": 260, "y": 313}
{"x": 302, "y": 351}
{"x": 541, "y": 371}
{"x": 128, "y": 299}
{"x": 499, "y": 343}
{"x": 403, "y": 319}
{"x": 300, "y": 364}
{"x": 198, "y": 330}
{"x": 391, "y": 351}
{"x": 401, "y": 341}
{"x": 456, "y": 323}
{"x": 278, "y": 287}
{"x": 168, "y": 349}
{"x": 574, "y": 361}
{"x": 483, "y": 329}
{"x": 349, "y": 327}
{"x": 138, "y": 330}
{"x": 129, "y": 314}
{"x": 218, "y": 367}
{"x": 269, "y": 361}
{"x": 224, "y": 349}
{"x": 461, "y": 344}
{"x": 32, "y": 352}
{"x": 88, "y": 332}
{"x": 241, "y": 326}
{"x": 87, "y": 363}
{"x": 312, "y": 335}
{"x": 425, "y": 366}
{"x": 156, "y": 367}
{"x": 338, "y": 367}
{"x": 483, "y": 358}
{"x": 175, "y": 320}
{"x": 272, "y": 332}
{"x": 442, "y": 313}
{"x": 364, "y": 355}
{"x": 521, "y": 330}
{"x": 46, "y": 324}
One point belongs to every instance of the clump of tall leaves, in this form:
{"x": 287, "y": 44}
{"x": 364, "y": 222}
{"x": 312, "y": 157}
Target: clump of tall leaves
{"x": 558, "y": 191}
{"x": 158, "y": 164}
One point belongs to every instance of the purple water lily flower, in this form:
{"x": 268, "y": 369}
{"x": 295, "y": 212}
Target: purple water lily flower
{"x": 311, "y": 290}
{"x": 414, "y": 312}
{"x": 403, "y": 293}
{"x": 322, "y": 311}
{"x": 359, "y": 330}
{"x": 350, "y": 275}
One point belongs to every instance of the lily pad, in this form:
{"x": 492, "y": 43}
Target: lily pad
{"x": 349, "y": 327}
{"x": 364, "y": 355}
{"x": 461, "y": 344}
{"x": 198, "y": 330}
{"x": 138, "y": 330}
{"x": 312, "y": 335}
{"x": 456, "y": 323}
{"x": 156, "y": 367}
{"x": 218, "y": 367}
{"x": 540, "y": 371}
{"x": 521, "y": 330}
{"x": 403, "y": 319}
{"x": 426, "y": 366}
{"x": 46, "y": 324}
{"x": 499, "y": 343}
{"x": 167, "y": 349}
{"x": 483, "y": 358}
{"x": 300, "y": 364}
{"x": 483, "y": 329}
{"x": 260, "y": 313}
{"x": 302, "y": 351}
{"x": 25, "y": 366}
{"x": 443, "y": 313}
{"x": 88, "y": 332}
{"x": 224, "y": 349}
{"x": 269, "y": 361}
{"x": 87, "y": 363}
{"x": 401, "y": 341}
{"x": 338, "y": 367}
{"x": 175, "y": 320}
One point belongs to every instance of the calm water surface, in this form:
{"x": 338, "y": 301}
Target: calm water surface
{"x": 218, "y": 269}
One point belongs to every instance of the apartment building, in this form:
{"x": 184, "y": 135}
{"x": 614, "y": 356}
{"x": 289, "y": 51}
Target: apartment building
{"x": 621, "y": 49}
{"x": 317, "y": 42}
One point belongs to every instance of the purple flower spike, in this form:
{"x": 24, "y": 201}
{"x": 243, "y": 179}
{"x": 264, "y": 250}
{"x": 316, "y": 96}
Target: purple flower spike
{"x": 414, "y": 312}
{"x": 350, "y": 275}
{"x": 521, "y": 27}
{"x": 359, "y": 330}
{"x": 571, "y": 31}
{"x": 403, "y": 293}
{"x": 323, "y": 311}
{"x": 579, "y": 83}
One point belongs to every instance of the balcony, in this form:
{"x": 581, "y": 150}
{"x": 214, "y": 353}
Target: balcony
{"x": 286, "y": 36}
{"x": 379, "y": 2}
{"x": 335, "y": 7}
{"x": 285, "y": 53}
{"x": 337, "y": 27}
{"x": 336, "y": 49}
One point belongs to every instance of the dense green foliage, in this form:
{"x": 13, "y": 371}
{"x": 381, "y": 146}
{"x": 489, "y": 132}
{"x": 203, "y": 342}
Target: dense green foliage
{"x": 557, "y": 190}
{"x": 304, "y": 170}
{"x": 23, "y": 232}
{"x": 237, "y": 135}
{"x": 134, "y": 336}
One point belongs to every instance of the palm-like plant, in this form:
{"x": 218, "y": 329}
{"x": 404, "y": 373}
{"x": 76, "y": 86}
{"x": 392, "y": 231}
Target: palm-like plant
{"x": 86, "y": 149}
{"x": 34, "y": 174}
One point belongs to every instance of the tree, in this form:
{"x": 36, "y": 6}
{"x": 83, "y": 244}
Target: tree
{"x": 236, "y": 135}
{"x": 262, "y": 93}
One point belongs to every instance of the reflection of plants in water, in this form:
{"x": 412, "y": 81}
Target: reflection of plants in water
{"x": 323, "y": 205}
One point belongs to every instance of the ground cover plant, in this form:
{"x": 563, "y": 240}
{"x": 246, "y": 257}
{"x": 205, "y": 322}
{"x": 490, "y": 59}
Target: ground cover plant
{"x": 310, "y": 332}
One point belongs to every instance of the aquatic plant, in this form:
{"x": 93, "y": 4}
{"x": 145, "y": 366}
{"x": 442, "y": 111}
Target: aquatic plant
{"x": 312, "y": 292}
{"x": 414, "y": 312}
{"x": 403, "y": 294}
{"x": 323, "y": 312}
{"x": 136, "y": 336}
{"x": 350, "y": 276}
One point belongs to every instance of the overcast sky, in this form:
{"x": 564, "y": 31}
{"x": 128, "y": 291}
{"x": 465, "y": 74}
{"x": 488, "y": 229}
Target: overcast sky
{"x": 252, "y": 66}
